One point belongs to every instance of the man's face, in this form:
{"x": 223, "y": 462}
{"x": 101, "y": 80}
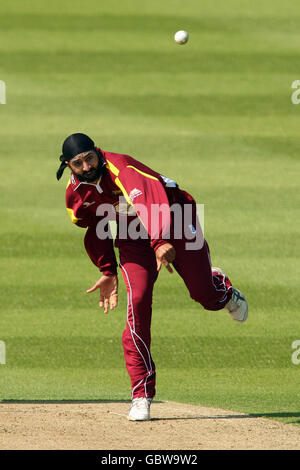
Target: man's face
{"x": 86, "y": 166}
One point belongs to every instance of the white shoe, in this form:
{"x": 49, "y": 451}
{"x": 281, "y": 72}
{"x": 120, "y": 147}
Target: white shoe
{"x": 237, "y": 306}
{"x": 140, "y": 409}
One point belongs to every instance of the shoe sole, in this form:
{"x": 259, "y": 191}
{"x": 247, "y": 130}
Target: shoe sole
{"x": 244, "y": 317}
{"x": 137, "y": 419}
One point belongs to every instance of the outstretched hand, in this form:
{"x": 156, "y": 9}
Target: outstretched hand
{"x": 108, "y": 286}
{"x": 165, "y": 254}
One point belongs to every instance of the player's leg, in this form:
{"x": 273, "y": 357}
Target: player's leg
{"x": 138, "y": 265}
{"x": 209, "y": 286}
{"x": 212, "y": 290}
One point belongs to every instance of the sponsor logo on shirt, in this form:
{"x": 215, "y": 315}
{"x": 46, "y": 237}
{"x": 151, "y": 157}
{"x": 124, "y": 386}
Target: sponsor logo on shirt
{"x": 134, "y": 193}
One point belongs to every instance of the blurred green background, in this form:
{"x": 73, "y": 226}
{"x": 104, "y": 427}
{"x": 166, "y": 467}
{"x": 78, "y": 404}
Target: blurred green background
{"x": 215, "y": 115}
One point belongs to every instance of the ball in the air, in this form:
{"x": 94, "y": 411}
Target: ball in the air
{"x": 181, "y": 37}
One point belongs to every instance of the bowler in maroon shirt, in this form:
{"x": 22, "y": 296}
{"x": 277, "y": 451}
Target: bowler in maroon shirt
{"x": 157, "y": 224}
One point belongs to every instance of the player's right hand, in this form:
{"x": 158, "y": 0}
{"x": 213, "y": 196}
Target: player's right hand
{"x": 165, "y": 254}
{"x": 108, "y": 286}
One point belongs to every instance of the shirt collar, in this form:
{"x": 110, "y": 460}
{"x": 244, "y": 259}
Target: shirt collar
{"x": 75, "y": 181}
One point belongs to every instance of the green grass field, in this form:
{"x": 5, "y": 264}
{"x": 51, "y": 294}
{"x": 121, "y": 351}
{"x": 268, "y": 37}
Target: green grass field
{"x": 215, "y": 115}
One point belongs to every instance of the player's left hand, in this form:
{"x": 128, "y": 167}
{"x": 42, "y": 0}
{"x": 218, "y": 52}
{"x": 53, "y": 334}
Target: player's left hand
{"x": 108, "y": 286}
{"x": 165, "y": 254}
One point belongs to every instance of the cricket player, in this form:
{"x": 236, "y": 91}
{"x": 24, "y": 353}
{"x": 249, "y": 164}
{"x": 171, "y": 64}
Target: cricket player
{"x": 157, "y": 225}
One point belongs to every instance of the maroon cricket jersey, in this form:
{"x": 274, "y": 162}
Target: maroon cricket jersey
{"x": 126, "y": 183}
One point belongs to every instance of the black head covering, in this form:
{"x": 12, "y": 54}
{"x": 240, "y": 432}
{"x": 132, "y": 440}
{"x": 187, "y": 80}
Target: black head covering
{"x": 72, "y": 146}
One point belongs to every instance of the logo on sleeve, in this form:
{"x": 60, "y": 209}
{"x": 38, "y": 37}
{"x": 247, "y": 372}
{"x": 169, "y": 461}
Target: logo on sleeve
{"x": 134, "y": 193}
{"x": 192, "y": 229}
{"x": 168, "y": 182}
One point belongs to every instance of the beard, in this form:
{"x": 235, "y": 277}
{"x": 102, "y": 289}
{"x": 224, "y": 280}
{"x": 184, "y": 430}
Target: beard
{"x": 93, "y": 174}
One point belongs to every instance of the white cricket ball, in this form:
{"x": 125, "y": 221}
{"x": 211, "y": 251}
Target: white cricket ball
{"x": 181, "y": 37}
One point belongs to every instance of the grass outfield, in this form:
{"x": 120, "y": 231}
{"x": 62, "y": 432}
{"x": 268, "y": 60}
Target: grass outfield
{"x": 215, "y": 115}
